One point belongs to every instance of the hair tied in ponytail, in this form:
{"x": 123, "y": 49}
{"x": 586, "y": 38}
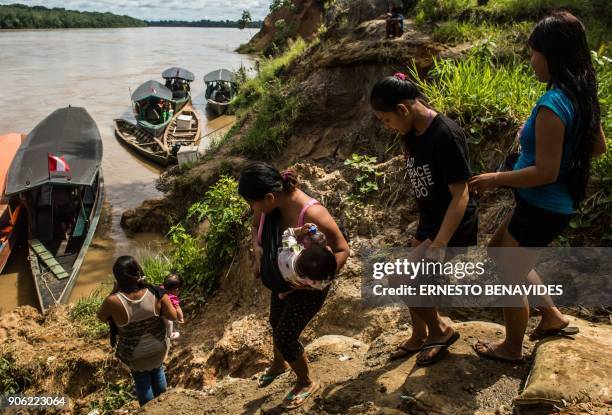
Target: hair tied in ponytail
{"x": 286, "y": 174}
{"x": 399, "y": 76}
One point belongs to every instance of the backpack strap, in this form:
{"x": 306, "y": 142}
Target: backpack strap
{"x": 308, "y": 204}
{"x": 262, "y": 219}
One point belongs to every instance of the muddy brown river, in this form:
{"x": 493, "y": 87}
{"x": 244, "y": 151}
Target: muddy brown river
{"x": 43, "y": 70}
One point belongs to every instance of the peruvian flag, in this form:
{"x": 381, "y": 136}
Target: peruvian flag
{"x": 57, "y": 164}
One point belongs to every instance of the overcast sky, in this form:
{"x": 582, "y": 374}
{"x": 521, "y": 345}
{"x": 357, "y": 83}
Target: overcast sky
{"x": 162, "y": 10}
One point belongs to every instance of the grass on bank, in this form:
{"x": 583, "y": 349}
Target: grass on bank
{"x": 83, "y": 314}
{"x": 271, "y": 104}
{"x": 116, "y": 395}
{"x": 463, "y": 20}
{"x": 479, "y": 95}
{"x": 208, "y": 239}
{"x": 8, "y": 381}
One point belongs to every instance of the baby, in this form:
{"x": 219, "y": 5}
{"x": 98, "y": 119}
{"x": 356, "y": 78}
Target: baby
{"x": 310, "y": 264}
{"x": 172, "y": 285}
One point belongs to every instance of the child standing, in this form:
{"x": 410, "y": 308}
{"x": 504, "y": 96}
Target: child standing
{"x": 438, "y": 167}
{"x": 172, "y": 285}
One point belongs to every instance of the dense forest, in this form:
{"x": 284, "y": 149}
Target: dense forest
{"x": 18, "y": 16}
{"x": 204, "y": 23}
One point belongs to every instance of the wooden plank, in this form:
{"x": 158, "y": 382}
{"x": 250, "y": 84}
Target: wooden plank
{"x": 43, "y": 253}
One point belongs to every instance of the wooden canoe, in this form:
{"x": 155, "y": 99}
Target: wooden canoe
{"x": 141, "y": 141}
{"x": 183, "y": 133}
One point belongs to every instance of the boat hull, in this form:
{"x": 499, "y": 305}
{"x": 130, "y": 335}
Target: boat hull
{"x": 141, "y": 142}
{"x": 175, "y": 137}
{"x": 9, "y": 238}
{"x": 218, "y": 108}
{"x": 156, "y": 130}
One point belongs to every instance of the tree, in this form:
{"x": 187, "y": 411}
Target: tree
{"x": 245, "y": 20}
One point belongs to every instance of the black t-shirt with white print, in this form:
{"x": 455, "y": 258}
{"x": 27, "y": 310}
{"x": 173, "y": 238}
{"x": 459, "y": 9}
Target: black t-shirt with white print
{"x": 434, "y": 160}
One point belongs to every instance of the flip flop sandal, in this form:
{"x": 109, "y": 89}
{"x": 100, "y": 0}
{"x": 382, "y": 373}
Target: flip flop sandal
{"x": 401, "y": 352}
{"x": 564, "y": 332}
{"x": 295, "y": 401}
{"x": 265, "y": 379}
{"x": 490, "y": 354}
{"x": 444, "y": 347}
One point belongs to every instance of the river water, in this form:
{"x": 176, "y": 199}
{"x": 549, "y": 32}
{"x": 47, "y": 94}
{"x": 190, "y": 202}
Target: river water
{"x": 42, "y": 70}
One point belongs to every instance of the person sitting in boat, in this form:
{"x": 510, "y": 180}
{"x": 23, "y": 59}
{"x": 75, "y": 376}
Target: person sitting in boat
{"x": 154, "y": 112}
{"x": 64, "y": 210}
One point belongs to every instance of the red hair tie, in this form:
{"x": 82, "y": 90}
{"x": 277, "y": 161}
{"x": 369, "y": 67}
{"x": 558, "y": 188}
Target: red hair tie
{"x": 400, "y": 76}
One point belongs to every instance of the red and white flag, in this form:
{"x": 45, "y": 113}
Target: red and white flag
{"x": 57, "y": 164}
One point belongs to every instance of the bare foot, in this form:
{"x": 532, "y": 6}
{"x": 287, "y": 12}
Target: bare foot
{"x": 498, "y": 351}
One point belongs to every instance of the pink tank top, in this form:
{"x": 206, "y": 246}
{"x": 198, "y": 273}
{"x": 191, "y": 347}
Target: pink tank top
{"x": 300, "y": 221}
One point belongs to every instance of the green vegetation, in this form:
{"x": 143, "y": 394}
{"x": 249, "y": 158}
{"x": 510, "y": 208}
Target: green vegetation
{"x": 366, "y": 180}
{"x": 272, "y": 103}
{"x": 8, "y": 381}
{"x": 200, "y": 255}
{"x": 436, "y": 10}
{"x": 464, "y": 20}
{"x": 277, "y": 4}
{"x": 479, "y": 95}
{"x": 19, "y": 16}
{"x": 245, "y": 20}
{"x": 83, "y": 314}
{"x": 156, "y": 267}
{"x": 116, "y": 395}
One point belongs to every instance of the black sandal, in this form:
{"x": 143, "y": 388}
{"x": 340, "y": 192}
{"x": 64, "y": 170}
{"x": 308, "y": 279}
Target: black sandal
{"x": 443, "y": 348}
{"x": 564, "y": 332}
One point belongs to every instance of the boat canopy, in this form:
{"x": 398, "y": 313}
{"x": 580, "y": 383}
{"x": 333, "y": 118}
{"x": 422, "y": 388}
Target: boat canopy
{"x": 151, "y": 89}
{"x": 180, "y": 73}
{"x": 69, "y": 133}
{"x": 9, "y": 144}
{"x": 220, "y": 75}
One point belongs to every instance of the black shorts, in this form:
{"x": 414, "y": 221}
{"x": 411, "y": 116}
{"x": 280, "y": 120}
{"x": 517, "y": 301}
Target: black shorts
{"x": 465, "y": 235}
{"x": 533, "y": 226}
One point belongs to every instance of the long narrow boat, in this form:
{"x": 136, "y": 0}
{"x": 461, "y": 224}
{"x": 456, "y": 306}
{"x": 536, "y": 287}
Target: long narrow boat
{"x": 10, "y": 208}
{"x": 57, "y": 174}
{"x": 184, "y": 130}
{"x": 178, "y": 80}
{"x": 220, "y": 90}
{"x": 141, "y": 141}
{"x": 153, "y": 107}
